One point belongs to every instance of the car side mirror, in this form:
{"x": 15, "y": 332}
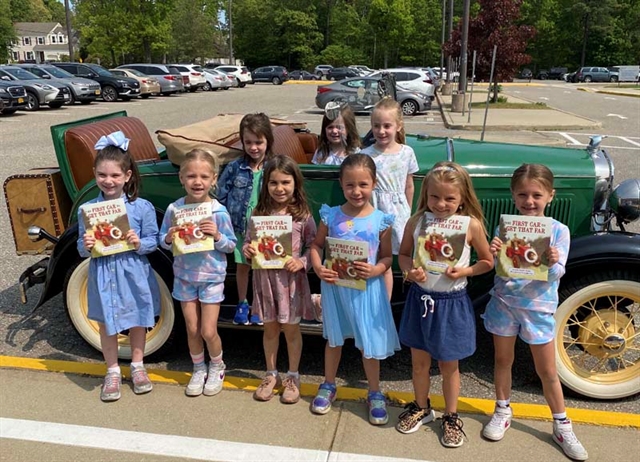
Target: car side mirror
{"x": 4, "y": 77}
{"x": 46, "y": 76}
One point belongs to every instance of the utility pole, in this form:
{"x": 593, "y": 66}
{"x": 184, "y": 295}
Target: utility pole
{"x": 450, "y": 61}
{"x": 444, "y": 26}
{"x": 67, "y": 14}
{"x": 231, "y": 60}
{"x": 462, "y": 84}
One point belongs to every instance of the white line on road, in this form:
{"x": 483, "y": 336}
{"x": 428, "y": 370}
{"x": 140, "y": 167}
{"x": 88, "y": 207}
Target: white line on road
{"x": 609, "y": 97}
{"x": 616, "y": 115}
{"x": 544, "y": 98}
{"x": 573, "y": 141}
{"x": 624, "y": 138}
{"x": 184, "y": 447}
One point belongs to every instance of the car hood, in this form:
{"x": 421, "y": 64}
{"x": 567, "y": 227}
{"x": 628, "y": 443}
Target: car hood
{"x": 30, "y": 83}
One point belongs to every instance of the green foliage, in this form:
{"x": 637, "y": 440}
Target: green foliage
{"x": 7, "y": 34}
{"x": 29, "y": 11}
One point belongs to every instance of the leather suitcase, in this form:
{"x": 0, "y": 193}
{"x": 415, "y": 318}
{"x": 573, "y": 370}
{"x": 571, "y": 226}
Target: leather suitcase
{"x": 37, "y": 198}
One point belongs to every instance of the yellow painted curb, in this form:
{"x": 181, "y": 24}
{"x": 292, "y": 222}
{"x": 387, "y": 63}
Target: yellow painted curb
{"x": 465, "y": 405}
{"x": 617, "y": 93}
{"x": 308, "y": 82}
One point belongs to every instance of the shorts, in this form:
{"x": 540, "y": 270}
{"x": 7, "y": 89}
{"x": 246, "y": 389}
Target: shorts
{"x": 238, "y": 256}
{"x": 533, "y": 327}
{"x": 206, "y": 292}
{"x": 440, "y": 323}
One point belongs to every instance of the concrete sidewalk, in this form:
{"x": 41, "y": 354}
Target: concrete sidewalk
{"x": 548, "y": 119}
{"x": 50, "y": 416}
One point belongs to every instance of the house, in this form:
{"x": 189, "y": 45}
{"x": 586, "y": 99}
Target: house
{"x": 39, "y": 42}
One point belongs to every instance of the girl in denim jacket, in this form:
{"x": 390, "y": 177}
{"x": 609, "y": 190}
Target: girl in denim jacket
{"x": 238, "y": 190}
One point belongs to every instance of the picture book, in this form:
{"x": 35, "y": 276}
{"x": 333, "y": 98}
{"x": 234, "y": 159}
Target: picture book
{"x": 525, "y": 241}
{"x": 189, "y": 238}
{"x": 272, "y": 237}
{"x": 340, "y": 256}
{"x": 440, "y": 242}
{"x": 107, "y": 221}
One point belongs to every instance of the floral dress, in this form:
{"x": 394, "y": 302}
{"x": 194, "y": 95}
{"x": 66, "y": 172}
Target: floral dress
{"x": 364, "y": 315}
{"x": 280, "y": 295}
{"x": 388, "y": 195}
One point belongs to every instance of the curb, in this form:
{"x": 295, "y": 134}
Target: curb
{"x": 465, "y": 405}
{"x": 308, "y": 82}
{"x": 618, "y": 93}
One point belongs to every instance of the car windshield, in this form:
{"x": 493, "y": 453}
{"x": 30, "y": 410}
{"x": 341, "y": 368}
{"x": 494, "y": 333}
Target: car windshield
{"x": 21, "y": 74}
{"x": 57, "y": 72}
{"x": 100, "y": 70}
{"x": 137, "y": 73}
{"x": 198, "y": 69}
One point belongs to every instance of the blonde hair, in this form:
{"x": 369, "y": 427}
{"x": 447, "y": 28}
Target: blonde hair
{"x": 389, "y": 104}
{"x": 450, "y": 173}
{"x": 202, "y": 155}
{"x": 533, "y": 172}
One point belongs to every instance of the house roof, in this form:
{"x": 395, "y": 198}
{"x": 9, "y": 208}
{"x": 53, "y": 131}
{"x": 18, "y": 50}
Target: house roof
{"x": 36, "y": 28}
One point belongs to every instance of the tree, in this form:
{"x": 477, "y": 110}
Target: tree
{"x": 496, "y": 24}
{"x": 196, "y": 41}
{"x": 29, "y": 11}
{"x": 7, "y": 34}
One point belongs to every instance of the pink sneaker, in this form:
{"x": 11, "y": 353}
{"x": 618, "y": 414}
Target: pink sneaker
{"x": 111, "y": 387}
{"x": 140, "y": 379}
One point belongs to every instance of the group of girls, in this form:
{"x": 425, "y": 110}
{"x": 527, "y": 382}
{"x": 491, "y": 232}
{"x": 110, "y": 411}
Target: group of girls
{"x": 438, "y": 319}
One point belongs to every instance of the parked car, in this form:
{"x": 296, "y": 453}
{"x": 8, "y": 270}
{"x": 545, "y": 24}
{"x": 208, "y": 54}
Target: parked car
{"x": 570, "y": 77}
{"x": 302, "y": 75}
{"x": 214, "y": 80}
{"x": 170, "y": 79}
{"x": 340, "y": 73}
{"x": 413, "y": 79}
{"x": 39, "y": 91}
{"x": 277, "y": 75}
{"x": 526, "y": 73}
{"x": 12, "y": 96}
{"x": 594, "y": 74}
{"x": 112, "y": 87}
{"x": 148, "y": 85}
{"x": 194, "y": 80}
{"x": 455, "y": 76}
{"x": 543, "y": 74}
{"x": 364, "y": 70}
{"x": 597, "y": 326}
{"x": 556, "y": 73}
{"x": 226, "y": 81}
{"x": 241, "y": 73}
{"x": 361, "y": 93}
{"x": 83, "y": 90}
{"x": 322, "y": 70}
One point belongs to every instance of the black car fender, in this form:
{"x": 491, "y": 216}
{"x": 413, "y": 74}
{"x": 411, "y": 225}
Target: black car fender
{"x": 603, "y": 251}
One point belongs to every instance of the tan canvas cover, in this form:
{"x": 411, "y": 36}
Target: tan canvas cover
{"x": 219, "y": 135}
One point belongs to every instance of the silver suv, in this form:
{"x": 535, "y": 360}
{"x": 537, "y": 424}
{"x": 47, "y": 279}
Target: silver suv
{"x": 39, "y": 91}
{"x": 322, "y": 70}
{"x": 81, "y": 89}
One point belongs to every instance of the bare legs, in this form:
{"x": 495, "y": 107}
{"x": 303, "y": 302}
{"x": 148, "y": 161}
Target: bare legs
{"x": 202, "y": 323}
{"x": 420, "y": 364}
{"x": 242, "y": 280}
{"x": 271, "y": 342}
{"x": 388, "y": 282}
{"x": 109, "y": 344}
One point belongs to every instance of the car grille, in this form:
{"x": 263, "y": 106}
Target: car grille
{"x": 493, "y": 208}
{"x": 94, "y": 87}
{"x": 17, "y": 92}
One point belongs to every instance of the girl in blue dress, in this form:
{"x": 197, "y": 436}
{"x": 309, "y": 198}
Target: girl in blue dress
{"x": 123, "y": 293}
{"x": 364, "y": 315}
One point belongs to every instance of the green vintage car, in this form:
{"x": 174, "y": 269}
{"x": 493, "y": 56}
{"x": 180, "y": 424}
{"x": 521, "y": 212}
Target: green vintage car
{"x": 598, "y": 320}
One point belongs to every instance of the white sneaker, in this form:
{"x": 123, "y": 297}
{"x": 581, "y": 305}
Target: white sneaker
{"x": 215, "y": 379}
{"x": 499, "y": 423}
{"x": 567, "y": 440}
{"x": 196, "y": 383}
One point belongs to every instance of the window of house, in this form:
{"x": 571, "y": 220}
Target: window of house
{"x": 40, "y": 40}
{"x": 53, "y": 39}
{"x": 26, "y": 40}
{"x": 60, "y": 38}
{"x": 15, "y": 56}
{"x": 29, "y": 55}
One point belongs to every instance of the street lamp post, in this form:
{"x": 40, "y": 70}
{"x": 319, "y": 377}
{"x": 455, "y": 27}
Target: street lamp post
{"x": 231, "y": 60}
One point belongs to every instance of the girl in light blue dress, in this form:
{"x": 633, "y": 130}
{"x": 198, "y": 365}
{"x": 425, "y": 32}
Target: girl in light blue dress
{"x": 364, "y": 315}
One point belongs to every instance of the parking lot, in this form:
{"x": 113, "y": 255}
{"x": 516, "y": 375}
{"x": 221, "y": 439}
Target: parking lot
{"x": 47, "y": 333}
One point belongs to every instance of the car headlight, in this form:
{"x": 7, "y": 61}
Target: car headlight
{"x": 44, "y": 86}
{"x": 625, "y": 200}
{"x": 2, "y": 90}
{"x": 422, "y": 95}
{"x": 78, "y": 84}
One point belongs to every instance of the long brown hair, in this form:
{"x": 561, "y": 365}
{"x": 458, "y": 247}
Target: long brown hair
{"x": 352, "y": 140}
{"x": 298, "y": 208}
{"x": 126, "y": 163}
{"x": 450, "y": 173}
{"x": 260, "y": 125}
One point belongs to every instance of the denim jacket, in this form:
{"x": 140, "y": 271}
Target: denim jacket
{"x": 234, "y": 192}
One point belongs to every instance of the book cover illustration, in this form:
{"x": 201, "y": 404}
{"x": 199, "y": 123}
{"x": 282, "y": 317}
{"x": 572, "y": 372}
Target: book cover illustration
{"x": 341, "y": 254}
{"x": 525, "y": 241}
{"x": 189, "y": 238}
{"x": 272, "y": 238}
{"x": 107, "y": 221}
{"x": 440, "y": 242}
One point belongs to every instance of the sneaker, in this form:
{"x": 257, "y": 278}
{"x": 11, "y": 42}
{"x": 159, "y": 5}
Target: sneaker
{"x": 140, "y": 379}
{"x": 326, "y": 395}
{"x": 266, "y": 389}
{"x": 291, "y": 393}
{"x": 452, "y": 433}
{"x": 567, "y": 440}
{"x": 255, "y": 320}
{"x": 414, "y": 416}
{"x": 111, "y": 387}
{"x": 377, "y": 408}
{"x": 196, "y": 383}
{"x": 499, "y": 423}
{"x": 242, "y": 314}
{"x": 215, "y": 379}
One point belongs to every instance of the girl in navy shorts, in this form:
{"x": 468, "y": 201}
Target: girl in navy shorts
{"x": 438, "y": 319}
{"x": 525, "y": 308}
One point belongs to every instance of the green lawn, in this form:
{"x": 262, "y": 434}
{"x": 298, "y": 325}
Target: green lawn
{"x": 634, "y": 86}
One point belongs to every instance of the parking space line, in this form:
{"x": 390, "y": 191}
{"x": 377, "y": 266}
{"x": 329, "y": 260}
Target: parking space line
{"x": 624, "y": 138}
{"x": 573, "y": 141}
{"x": 155, "y": 444}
